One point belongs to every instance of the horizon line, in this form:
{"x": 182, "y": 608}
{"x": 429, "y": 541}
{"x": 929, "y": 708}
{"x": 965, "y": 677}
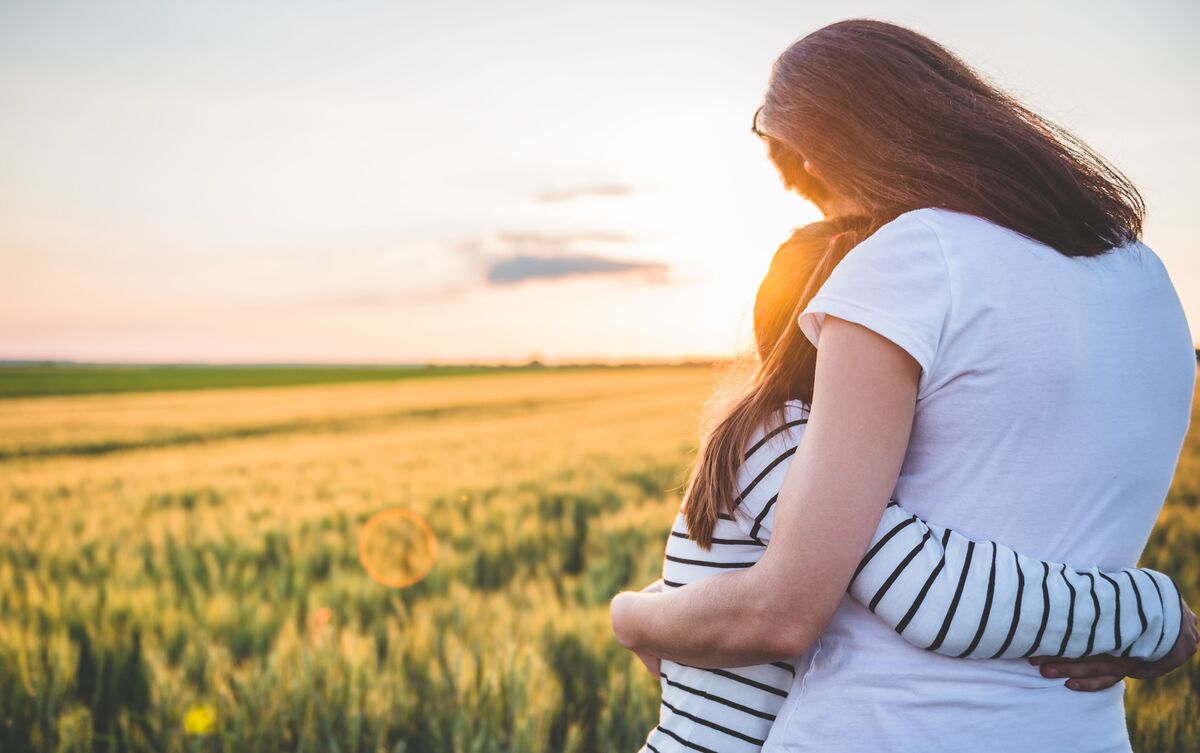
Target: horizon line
{"x": 497, "y": 364}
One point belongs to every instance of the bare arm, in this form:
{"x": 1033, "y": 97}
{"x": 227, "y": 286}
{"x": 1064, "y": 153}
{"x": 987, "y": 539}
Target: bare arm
{"x": 830, "y": 503}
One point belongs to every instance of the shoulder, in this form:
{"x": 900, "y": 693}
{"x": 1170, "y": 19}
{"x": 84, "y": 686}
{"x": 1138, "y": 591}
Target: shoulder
{"x": 914, "y": 236}
{"x": 768, "y": 455}
{"x": 962, "y": 237}
{"x": 796, "y": 409}
{"x": 922, "y": 252}
{"x": 780, "y": 432}
{"x": 938, "y": 221}
{"x": 933, "y": 229}
{"x": 1144, "y": 256}
{"x": 773, "y": 442}
{"x": 897, "y": 283}
{"x": 795, "y": 418}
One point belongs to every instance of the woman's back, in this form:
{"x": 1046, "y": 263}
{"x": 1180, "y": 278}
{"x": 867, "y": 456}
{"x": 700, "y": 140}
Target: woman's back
{"x": 1058, "y": 390}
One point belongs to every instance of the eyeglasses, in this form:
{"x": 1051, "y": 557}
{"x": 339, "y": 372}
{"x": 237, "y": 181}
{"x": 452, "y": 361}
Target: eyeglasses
{"x": 766, "y": 136}
{"x": 754, "y": 125}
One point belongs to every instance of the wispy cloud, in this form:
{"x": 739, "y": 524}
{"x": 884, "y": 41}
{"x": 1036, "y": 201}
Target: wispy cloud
{"x": 509, "y": 258}
{"x": 529, "y": 255}
{"x": 432, "y": 294}
{"x": 552, "y": 195}
{"x": 552, "y": 243}
{"x": 520, "y": 268}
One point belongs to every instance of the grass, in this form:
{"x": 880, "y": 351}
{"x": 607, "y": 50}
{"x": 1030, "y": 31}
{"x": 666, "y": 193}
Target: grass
{"x": 179, "y": 570}
{"x": 36, "y": 379}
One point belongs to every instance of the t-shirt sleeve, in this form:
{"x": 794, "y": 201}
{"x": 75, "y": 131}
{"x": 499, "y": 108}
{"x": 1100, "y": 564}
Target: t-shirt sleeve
{"x": 895, "y": 283}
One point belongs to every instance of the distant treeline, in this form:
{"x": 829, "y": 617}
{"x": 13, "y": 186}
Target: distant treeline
{"x": 33, "y": 379}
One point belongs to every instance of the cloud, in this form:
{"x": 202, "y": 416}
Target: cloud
{"x": 552, "y": 244}
{"x": 431, "y": 294}
{"x": 509, "y": 258}
{"x": 530, "y": 255}
{"x": 552, "y": 195}
{"x": 521, "y": 268}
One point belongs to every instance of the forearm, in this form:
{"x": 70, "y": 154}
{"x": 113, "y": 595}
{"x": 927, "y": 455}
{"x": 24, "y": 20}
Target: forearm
{"x": 829, "y": 503}
{"x": 1131, "y": 612}
{"x": 716, "y": 622}
{"x": 978, "y": 599}
{"x": 1163, "y": 612}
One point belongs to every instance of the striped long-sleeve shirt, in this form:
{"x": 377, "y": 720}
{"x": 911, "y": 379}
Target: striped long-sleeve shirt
{"x": 939, "y": 589}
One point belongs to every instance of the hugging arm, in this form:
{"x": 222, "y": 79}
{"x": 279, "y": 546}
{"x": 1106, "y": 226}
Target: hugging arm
{"x": 830, "y": 503}
{"x": 880, "y": 318}
{"x": 947, "y": 593}
{"x": 829, "y": 508}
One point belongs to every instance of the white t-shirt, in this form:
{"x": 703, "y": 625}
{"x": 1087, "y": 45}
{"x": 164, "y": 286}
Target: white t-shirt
{"x": 916, "y": 576}
{"x": 1053, "y": 402}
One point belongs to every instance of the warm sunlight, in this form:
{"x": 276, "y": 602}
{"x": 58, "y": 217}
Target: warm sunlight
{"x": 392, "y": 185}
{"x": 610, "y": 377}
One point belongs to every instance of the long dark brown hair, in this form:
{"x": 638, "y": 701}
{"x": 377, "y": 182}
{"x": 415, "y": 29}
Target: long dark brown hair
{"x": 786, "y": 365}
{"x": 897, "y": 122}
{"x": 894, "y": 122}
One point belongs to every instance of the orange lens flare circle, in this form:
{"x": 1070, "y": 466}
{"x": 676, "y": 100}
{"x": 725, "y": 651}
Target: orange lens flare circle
{"x": 397, "y": 547}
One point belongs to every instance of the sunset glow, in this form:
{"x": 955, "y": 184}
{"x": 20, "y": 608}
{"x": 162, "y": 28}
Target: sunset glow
{"x": 472, "y": 181}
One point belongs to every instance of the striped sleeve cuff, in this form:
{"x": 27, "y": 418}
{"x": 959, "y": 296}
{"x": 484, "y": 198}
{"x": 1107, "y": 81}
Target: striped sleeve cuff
{"x": 1161, "y": 611}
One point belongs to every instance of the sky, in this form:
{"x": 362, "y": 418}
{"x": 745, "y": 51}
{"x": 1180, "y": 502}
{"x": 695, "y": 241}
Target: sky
{"x": 399, "y": 182}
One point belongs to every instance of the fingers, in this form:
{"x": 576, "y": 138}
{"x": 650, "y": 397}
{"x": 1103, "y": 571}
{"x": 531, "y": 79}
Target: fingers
{"x": 1091, "y": 673}
{"x": 1038, "y": 661}
{"x": 1084, "y": 668}
{"x": 1188, "y": 607}
{"x": 1092, "y": 684}
{"x": 1087, "y": 674}
{"x": 1180, "y": 654}
{"x": 1079, "y": 670}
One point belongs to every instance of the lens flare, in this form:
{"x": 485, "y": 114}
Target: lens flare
{"x": 397, "y": 547}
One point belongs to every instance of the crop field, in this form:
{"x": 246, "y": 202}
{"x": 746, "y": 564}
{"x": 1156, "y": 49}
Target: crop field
{"x": 184, "y": 570}
{"x": 32, "y": 379}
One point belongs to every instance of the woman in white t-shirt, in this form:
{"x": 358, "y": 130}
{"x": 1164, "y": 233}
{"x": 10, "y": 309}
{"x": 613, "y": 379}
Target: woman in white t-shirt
{"x": 1002, "y": 355}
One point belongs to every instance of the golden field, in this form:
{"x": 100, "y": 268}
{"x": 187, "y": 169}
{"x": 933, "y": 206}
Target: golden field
{"x": 180, "y": 570}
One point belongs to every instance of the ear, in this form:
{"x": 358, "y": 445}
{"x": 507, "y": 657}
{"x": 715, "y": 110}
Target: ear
{"x": 811, "y": 169}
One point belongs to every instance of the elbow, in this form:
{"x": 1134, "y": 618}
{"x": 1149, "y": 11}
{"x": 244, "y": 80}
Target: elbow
{"x": 623, "y": 620}
{"x": 780, "y": 631}
{"x": 788, "y": 645}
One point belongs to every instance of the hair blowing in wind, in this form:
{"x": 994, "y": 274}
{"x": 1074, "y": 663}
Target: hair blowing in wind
{"x": 898, "y": 122}
{"x": 785, "y": 368}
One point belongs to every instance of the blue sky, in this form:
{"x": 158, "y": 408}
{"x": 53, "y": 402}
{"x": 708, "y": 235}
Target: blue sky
{"x": 474, "y": 181}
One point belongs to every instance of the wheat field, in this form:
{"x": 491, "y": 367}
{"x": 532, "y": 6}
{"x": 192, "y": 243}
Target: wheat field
{"x": 180, "y": 571}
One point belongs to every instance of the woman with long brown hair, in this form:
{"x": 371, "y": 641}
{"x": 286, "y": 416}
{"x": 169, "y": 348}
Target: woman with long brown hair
{"x": 732, "y": 710}
{"x": 1001, "y": 354}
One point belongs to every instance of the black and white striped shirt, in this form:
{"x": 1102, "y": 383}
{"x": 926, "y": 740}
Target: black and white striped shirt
{"x": 939, "y": 590}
